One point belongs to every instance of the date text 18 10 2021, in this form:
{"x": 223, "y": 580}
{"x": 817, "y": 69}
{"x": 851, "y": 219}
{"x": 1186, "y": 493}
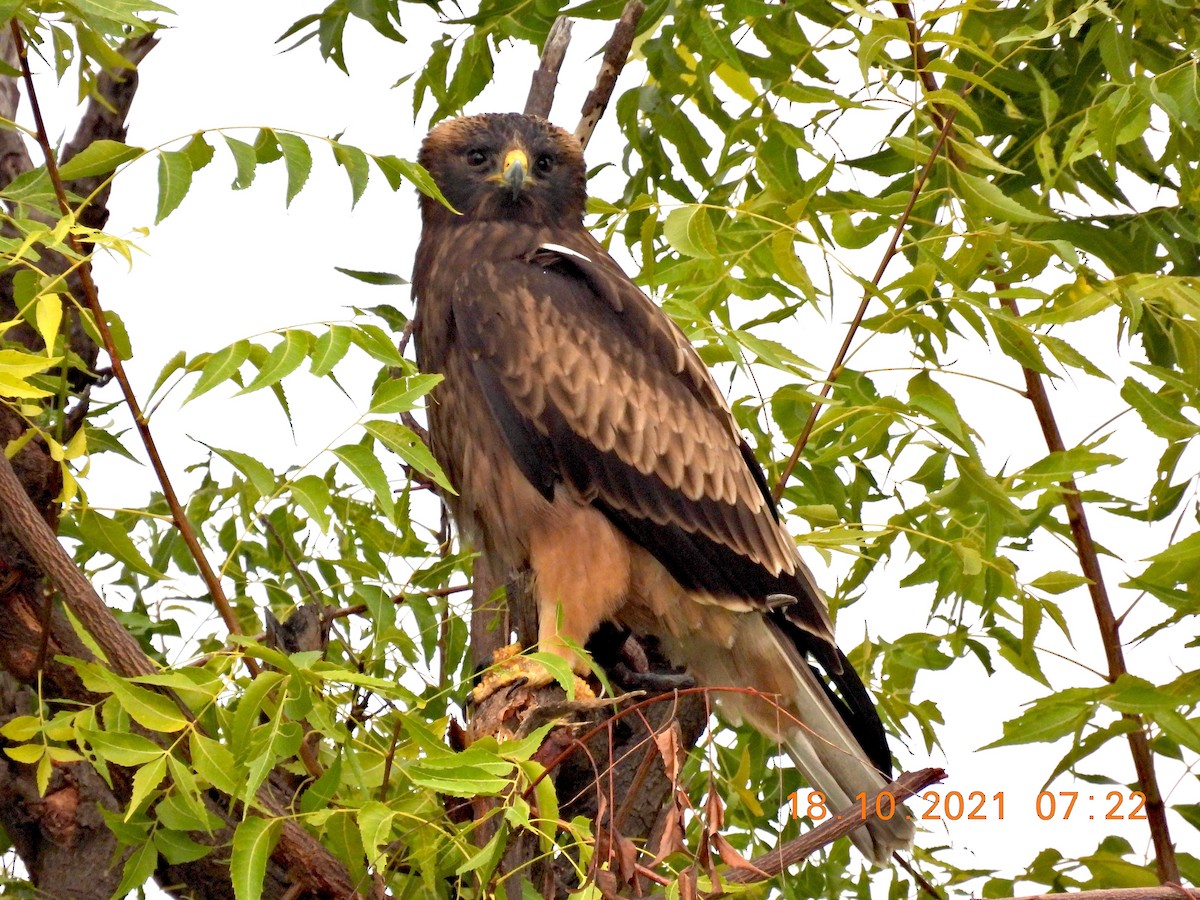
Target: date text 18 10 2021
{"x": 976, "y": 805}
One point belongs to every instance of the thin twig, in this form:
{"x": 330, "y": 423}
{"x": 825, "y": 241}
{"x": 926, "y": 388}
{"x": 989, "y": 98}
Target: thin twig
{"x": 616, "y": 54}
{"x": 838, "y": 825}
{"x": 835, "y": 370}
{"x": 545, "y": 79}
{"x": 1110, "y": 631}
{"x": 93, "y": 303}
{"x": 359, "y": 608}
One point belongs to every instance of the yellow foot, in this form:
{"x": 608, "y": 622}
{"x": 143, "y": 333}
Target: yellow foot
{"x": 510, "y": 669}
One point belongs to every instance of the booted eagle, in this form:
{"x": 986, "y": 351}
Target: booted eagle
{"x": 589, "y": 443}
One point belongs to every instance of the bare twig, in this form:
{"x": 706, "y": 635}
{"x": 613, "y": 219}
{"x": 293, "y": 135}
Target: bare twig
{"x": 893, "y": 248}
{"x": 93, "y": 303}
{"x": 545, "y": 79}
{"x": 1089, "y": 561}
{"x": 616, "y": 53}
{"x": 838, "y": 825}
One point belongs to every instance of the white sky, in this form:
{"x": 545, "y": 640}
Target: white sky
{"x": 229, "y": 265}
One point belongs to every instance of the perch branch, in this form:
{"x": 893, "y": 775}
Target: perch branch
{"x": 1110, "y": 630}
{"x": 847, "y": 820}
{"x": 616, "y": 54}
{"x": 93, "y": 302}
{"x": 545, "y": 79}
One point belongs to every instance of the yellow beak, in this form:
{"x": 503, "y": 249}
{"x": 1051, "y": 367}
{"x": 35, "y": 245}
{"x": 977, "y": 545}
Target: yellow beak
{"x": 514, "y": 171}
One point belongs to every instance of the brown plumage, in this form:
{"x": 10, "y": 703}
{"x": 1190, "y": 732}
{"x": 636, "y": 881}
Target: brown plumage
{"x": 587, "y": 440}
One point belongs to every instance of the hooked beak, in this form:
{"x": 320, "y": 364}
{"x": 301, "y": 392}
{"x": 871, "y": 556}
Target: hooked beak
{"x": 515, "y": 171}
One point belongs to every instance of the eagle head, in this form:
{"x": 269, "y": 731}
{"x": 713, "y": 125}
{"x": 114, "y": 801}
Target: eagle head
{"x": 505, "y": 166}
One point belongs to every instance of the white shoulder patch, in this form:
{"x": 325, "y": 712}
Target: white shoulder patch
{"x": 565, "y": 251}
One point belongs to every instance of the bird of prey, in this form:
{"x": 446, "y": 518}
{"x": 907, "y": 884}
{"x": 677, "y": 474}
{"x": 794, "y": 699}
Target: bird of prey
{"x": 588, "y": 442}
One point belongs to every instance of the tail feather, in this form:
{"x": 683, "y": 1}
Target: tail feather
{"x": 834, "y": 764}
{"x": 834, "y": 736}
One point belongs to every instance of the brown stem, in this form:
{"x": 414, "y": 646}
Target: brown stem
{"x": 20, "y": 517}
{"x": 93, "y": 302}
{"x": 616, "y": 53}
{"x": 845, "y": 821}
{"x": 893, "y": 248}
{"x": 920, "y": 59}
{"x": 545, "y": 79}
{"x": 1110, "y": 636}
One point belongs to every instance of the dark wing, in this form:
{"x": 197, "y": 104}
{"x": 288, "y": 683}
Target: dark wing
{"x": 594, "y": 386}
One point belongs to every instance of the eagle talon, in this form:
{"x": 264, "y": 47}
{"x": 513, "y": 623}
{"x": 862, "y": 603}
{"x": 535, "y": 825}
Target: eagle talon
{"x": 511, "y": 671}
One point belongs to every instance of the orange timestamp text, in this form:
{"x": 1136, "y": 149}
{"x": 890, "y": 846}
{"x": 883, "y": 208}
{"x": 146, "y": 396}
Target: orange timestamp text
{"x": 976, "y": 805}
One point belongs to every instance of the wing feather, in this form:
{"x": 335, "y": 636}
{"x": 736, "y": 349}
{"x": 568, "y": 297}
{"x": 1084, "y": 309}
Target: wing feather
{"x": 594, "y": 387}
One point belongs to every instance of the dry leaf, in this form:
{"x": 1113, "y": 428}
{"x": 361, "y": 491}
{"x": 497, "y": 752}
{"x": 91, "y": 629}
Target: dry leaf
{"x": 735, "y": 860}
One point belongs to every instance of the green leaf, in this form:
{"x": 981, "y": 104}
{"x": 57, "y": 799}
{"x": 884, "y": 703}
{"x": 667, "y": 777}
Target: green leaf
{"x": 174, "y": 180}
{"x": 122, "y": 748}
{"x": 259, "y": 475}
{"x": 214, "y": 762}
{"x": 401, "y": 394}
{"x": 298, "y": 159}
{"x": 1049, "y": 719}
{"x": 97, "y": 158}
{"x": 690, "y": 231}
{"x": 199, "y": 151}
{"x": 929, "y": 397}
{"x": 139, "y": 867}
{"x": 220, "y": 368}
{"x": 246, "y": 160}
{"x": 358, "y": 170}
{"x": 488, "y": 857}
{"x": 284, "y": 358}
{"x": 982, "y": 196}
{"x": 312, "y": 493}
{"x": 253, "y": 842}
{"x": 148, "y": 708}
{"x": 106, "y": 535}
{"x": 401, "y": 441}
{"x": 375, "y": 827}
{"x": 1058, "y": 582}
{"x": 329, "y": 349}
{"x": 145, "y": 780}
{"x": 1160, "y": 411}
{"x": 382, "y": 278}
{"x": 48, "y": 316}
{"x": 177, "y": 848}
{"x": 397, "y": 170}
{"x": 250, "y": 704}
{"x": 362, "y": 462}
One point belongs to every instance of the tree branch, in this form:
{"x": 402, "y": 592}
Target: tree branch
{"x": 545, "y": 79}
{"x": 92, "y": 299}
{"x": 1089, "y": 562}
{"x": 616, "y": 54}
{"x": 297, "y": 851}
{"x": 838, "y": 825}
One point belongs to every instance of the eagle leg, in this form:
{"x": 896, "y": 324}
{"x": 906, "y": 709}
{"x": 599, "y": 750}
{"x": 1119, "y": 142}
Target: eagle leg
{"x": 511, "y": 670}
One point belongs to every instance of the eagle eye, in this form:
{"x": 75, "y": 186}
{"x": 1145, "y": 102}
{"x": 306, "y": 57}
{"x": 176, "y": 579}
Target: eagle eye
{"x": 476, "y": 157}
{"x": 544, "y": 163}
